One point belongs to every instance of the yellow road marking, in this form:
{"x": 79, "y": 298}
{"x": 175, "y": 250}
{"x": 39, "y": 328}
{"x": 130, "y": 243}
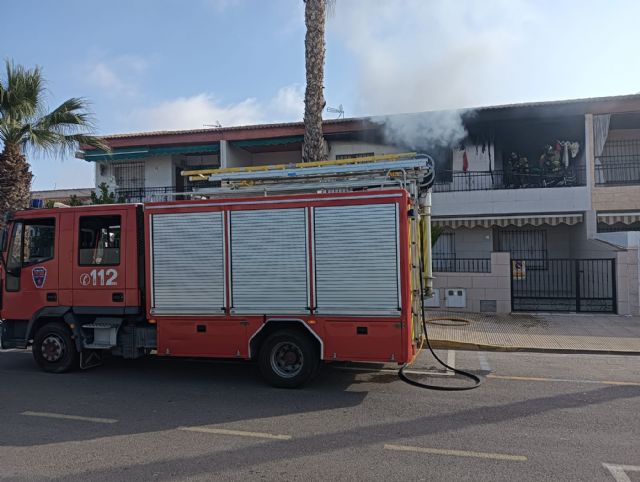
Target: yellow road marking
{"x": 543, "y": 379}
{"x": 69, "y": 417}
{"x": 239, "y": 433}
{"x": 455, "y": 453}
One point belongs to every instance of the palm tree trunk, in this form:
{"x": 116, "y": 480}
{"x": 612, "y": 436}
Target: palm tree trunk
{"x": 15, "y": 180}
{"x": 314, "y": 148}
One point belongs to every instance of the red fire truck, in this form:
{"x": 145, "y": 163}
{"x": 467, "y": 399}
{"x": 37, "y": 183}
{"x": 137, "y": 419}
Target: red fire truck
{"x": 287, "y": 279}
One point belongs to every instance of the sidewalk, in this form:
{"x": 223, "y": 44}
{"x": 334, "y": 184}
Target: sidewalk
{"x": 562, "y": 333}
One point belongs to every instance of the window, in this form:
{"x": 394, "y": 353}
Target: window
{"x": 353, "y": 156}
{"x": 99, "y": 242}
{"x": 444, "y": 252}
{"x": 38, "y": 242}
{"x": 525, "y": 244}
{"x": 128, "y": 175}
{"x": 32, "y": 242}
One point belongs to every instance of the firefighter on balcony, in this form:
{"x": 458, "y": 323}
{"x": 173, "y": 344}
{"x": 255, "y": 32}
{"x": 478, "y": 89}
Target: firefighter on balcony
{"x": 551, "y": 163}
{"x": 519, "y": 170}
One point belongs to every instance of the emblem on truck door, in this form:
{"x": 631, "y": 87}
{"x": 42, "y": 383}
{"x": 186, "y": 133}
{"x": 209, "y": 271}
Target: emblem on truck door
{"x": 39, "y": 276}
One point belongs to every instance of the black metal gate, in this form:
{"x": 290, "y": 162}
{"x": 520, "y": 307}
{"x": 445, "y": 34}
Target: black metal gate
{"x": 577, "y": 285}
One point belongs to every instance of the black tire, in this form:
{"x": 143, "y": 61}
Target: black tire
{"x": 288, "y": 359}
{"x": 54, "y": 350}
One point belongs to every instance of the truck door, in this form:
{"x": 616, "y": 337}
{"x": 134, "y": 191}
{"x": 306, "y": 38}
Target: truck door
{"x": 99, "y": 261}
{"x": 31, "y": 277}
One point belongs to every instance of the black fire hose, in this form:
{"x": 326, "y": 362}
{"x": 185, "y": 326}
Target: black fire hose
{"x": 476, "y": 379}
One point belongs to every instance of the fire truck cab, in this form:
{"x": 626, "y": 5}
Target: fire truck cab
{"x": 286, "y": 279}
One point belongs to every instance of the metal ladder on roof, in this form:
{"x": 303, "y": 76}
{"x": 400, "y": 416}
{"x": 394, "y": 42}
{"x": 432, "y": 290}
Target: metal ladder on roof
{"x": 393, "y": 170}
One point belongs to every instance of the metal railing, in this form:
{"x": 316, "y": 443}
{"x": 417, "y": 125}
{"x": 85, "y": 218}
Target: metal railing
{"x": 462, "y": 265}
{"x": 154, "y": 194}
{"x": 490, "y": 180}
{"x": 617, "y": 172}
{"x": 145, "y": 194}
{"x": 619, "y": 163}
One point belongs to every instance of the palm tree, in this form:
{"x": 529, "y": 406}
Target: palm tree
{"x": 315, "y": 15}
{"x": 25, "y": 124}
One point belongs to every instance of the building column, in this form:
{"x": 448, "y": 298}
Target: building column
{"x": 224, "y": 154}
{"x": 590, "y": 218}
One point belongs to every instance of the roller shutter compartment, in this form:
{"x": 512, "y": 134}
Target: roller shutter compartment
{"x": 356, "y": 259}
{"x": 269, "y": 261}
{"x": 187, "y": 263}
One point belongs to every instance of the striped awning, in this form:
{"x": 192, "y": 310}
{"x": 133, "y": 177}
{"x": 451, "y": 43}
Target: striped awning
{"x": 503, "y": 221}
{"x": 619, "y": 217}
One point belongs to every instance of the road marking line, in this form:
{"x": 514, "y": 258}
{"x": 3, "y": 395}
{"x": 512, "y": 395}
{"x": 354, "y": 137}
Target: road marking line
{"x": 455, "y": 453}
{"x": 568, "y": 380}
{"x": 69, "y": 417}
{"x": 451, "y": 360}
{"x": 484, "y": 361}
{"x": 391, "y": 370}
{"x": 619, "y": 472}
{"x": 239, "y": 433}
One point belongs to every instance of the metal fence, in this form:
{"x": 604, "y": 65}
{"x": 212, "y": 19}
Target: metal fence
{"x": 462, "y": 265}
{"x": 578, "y": 285}
{"x": 490, "y": 180}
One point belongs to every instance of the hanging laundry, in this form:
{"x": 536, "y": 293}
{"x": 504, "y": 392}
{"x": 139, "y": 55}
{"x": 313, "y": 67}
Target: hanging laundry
{"x": 574, "y": 147}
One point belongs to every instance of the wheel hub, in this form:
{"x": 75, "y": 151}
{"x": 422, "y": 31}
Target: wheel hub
{"x": 286, "y": 359}
{"x": 52, "y": 348}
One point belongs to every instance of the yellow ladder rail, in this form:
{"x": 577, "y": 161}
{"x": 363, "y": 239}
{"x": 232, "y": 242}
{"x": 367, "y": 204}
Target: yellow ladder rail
{"x": 201, "y": 174}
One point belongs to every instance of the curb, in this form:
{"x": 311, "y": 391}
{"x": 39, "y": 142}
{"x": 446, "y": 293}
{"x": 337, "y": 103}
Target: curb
{"x": 455, "y": 345}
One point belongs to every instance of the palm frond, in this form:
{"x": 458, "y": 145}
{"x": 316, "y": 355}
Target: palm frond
{"x": 22, "y": 92}
{"x": 68, "y": 117}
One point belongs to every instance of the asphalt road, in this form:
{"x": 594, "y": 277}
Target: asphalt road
{"x": 536, "y": 417}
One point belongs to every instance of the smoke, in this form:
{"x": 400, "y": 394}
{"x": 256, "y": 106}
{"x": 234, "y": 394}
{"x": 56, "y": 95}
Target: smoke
{"x": 435, "y": 56}
{"x": 425, "y": 131}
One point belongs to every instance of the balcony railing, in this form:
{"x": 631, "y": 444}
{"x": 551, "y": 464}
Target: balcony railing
{"x": 617, "y": 172}
{"x": 462, "y": 265}
{"x": 490, "y": 180}
{"x": 155, "y": 194}
{"x": 619, "y": 163}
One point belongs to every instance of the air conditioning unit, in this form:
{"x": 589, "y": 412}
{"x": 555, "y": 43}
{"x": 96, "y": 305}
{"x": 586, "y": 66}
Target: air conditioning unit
{"x": 455, "y": 298}
{"x": 434, "y": 300}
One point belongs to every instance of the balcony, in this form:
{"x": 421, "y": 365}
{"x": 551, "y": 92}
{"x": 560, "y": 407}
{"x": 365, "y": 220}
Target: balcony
{"x": 491, "y": 180}
{"x": 619, "y": 163}
{"x": 154, "y": 194}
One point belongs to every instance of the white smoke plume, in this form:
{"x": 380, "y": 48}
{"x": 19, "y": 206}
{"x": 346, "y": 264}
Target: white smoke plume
{"x": 434, "y": 56}
{"x": 424, "y": 131}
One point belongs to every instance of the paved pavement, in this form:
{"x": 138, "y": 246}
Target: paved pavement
{"x": 536, "y": 417}
{"x": 536, "y": 333}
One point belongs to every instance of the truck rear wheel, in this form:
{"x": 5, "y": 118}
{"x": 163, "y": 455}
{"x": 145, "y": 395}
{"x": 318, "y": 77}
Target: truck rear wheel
{"x": 54, "y": 349}
{"x": 288, "y": 359}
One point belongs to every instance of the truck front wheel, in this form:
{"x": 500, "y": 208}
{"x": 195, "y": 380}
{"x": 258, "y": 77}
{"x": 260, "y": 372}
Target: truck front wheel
{"x": 54, "y": 349}
{"x": 288, "y": 359}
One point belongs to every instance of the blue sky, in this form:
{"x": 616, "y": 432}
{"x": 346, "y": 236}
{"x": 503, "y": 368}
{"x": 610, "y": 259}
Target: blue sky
{"x": 170, "y": 64}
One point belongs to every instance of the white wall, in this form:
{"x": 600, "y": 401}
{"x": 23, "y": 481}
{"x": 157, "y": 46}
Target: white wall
{"x": 624, "y": 239}
{"x": 511, "y": 201}
{"x": 233, "y": 156}
{"x": 493, "y": 286}
{"x": 159, "y": 172}
{"x": 358, "y": 147}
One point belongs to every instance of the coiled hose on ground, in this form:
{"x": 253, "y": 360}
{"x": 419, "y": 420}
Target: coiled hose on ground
{"x": 476, "y": 379}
